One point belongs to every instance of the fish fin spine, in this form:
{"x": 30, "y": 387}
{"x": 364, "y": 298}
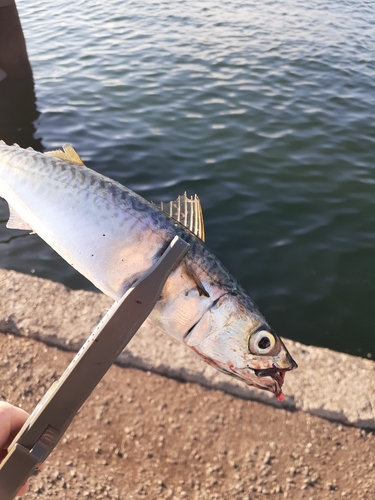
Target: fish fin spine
{"x": 188, "y": 212}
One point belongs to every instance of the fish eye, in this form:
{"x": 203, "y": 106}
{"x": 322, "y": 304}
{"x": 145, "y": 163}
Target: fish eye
{"x": 261, "y": 342}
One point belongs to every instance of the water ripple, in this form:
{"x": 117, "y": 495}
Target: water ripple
{"x": 264, "y": 109}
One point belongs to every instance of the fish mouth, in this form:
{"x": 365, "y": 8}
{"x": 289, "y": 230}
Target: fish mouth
{"x": 276, "y": 375}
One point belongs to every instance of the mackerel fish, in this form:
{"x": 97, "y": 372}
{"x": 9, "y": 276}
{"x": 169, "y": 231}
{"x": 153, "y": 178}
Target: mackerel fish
{"x": 113, "y": 236}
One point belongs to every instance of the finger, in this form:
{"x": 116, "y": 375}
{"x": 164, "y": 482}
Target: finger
{"x": 24, "y": 489}
{"x": 11, "y": 421}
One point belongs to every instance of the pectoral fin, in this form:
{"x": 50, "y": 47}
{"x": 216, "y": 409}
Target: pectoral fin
{"x": 190, "y": 272}
{"x": 69, "y": 154}
{"x": 16, "y": 222}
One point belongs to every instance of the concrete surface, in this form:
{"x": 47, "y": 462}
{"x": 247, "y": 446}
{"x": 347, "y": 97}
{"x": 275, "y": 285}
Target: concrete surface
{"x": 328, "y": 384}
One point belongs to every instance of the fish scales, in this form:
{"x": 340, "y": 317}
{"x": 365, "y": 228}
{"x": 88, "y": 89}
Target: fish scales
{"x": 112, "y": 236}
{"x": 129, "y": 202}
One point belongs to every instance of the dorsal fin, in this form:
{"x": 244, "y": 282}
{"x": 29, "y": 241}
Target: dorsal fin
{"x": 69, "y": 154}
{"x": 188, "y": 212}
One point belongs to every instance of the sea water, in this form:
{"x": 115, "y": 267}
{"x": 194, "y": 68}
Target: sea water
{"x": 265, "y": 109}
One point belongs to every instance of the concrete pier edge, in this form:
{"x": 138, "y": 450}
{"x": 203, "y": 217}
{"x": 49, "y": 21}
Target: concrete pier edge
{"x": 328, "y": 384}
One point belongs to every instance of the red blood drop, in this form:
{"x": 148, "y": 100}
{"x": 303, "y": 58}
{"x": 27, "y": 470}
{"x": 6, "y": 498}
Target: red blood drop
{"x": 280, "y": 397}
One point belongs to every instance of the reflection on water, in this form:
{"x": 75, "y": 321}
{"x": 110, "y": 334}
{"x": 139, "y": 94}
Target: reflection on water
{"x": 264, "y": 109}
{"x": 18, "y": 113}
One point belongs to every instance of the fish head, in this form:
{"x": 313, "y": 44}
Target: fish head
{"x": 238, "y": 341}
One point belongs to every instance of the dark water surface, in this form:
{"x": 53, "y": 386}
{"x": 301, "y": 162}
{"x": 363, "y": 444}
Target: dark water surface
{"x": 265, "y": 109}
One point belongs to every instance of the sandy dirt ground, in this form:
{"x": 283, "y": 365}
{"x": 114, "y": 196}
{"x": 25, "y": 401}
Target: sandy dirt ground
{"x": 141, "y": 435}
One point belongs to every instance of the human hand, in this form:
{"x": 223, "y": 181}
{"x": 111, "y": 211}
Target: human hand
{"x": 11, "y": 421}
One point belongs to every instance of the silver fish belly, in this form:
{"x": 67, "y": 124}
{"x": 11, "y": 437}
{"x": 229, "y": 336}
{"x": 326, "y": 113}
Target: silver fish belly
{"x": 112, "y": 236}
